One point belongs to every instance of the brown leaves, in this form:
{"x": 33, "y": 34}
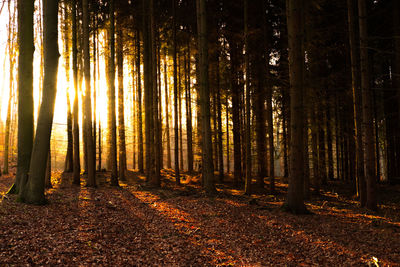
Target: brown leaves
{"x": 180, "y": 226}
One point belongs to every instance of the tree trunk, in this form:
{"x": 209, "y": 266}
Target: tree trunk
{"x": 25, "y": 91}
{"x": 167, "y": 114}
{"x": 69, "y": 159}
{"x": 176, "y": 129}
{"x": 33, "y": 190}
{"x": 47, "y": 183}
{"x": 208, "y": 168}
{"x": 188, "y": 100}
{"x": 295, "y": 196}
{"x": 113, "y": 126}
{"x": 237, "y": 155}
{"x": 357, "y": 105}
{"x": 75, "y": 111}
{"x": 155, "y": 178}
{"x": 220, "y": 134}
{"x": 247, "y": 100}
{"x": 180, "y": 114}
{"x": 140, "y": 111}
{"x": 90, "y": 148}
{"x": 148, "y": 91}
{"x": 368, "y": 130}
{"x": 121, "y": 117}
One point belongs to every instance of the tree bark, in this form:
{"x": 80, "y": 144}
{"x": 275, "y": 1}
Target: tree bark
{"x": 295, "y": 196}
{"x": 33, "y": 191}
{"x": 176, "y": 129}
{"x": 113, "y": 126}
{"x": 208, "y": 168}
{"x": 167, "y": 114}
{"x": 140, "y": 111}
{"x": 247, "y": 100}
{"x": 368, "y": 130}
{"x": 90, "y": 148}
{"x": 188, "y": 100}
{"x": 357, "y": 105}
{"x": 25, "y": 90}
{"x": 121, "y": 117}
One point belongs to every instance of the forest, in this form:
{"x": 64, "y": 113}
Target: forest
{"x": 200, "y": 132}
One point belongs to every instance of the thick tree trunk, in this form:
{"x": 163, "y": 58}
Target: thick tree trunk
{"x": 33, "y": 190}
{"x": 368, "y": 130}
{"x": 208, "y": 168}
{"x": 295, "y": 196}
{"x": 25, "y": 90}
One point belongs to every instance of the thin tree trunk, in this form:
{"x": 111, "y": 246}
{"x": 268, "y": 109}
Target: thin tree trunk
{"x": 176, "y": 129}
{"x": 189, "y": 127}
{"x": 121, "y": 117}
{"x": 247, "y": 112}
{"x": 113, "y": 126}
{"x": 140, "y": 111}
{"x": 167, "y": 114}
{"x": 75, "y": 112}
{"x": 156, "y": 178}
{"x": 69, "y": 159}
{"x": 180, "y": 115}
{"x": 11, "y": 54}
{"x": 228, "y": 163}
{"x": 220, "y": 134}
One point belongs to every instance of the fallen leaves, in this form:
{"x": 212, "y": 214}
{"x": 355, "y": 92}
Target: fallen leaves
{"x": 181, "y": 226}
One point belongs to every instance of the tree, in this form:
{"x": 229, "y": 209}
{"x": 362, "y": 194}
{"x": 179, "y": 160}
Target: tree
{"x": 111, "y": 96}
{"x": 208, "y": 168}
{"x": 33, "y": 190}
{"x": 166, "y": 93}
{"x": 75, "y": 109}
{"x": 25, "y": 91}
{"x": 295, "y": 196}
{"x": 87, "y": 109}
{"x": 176, "y": 113}
{"x": 355, "y": 80}
{"x": 121, "y": 117}
{"x": 248, "y": 119}
{"x": 367, "y": 129}
{"x": 69, "y": 159}
{"x": 140, "y": 111}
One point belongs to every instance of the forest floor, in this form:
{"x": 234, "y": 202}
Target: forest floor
{"x": 181, "y": 226}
